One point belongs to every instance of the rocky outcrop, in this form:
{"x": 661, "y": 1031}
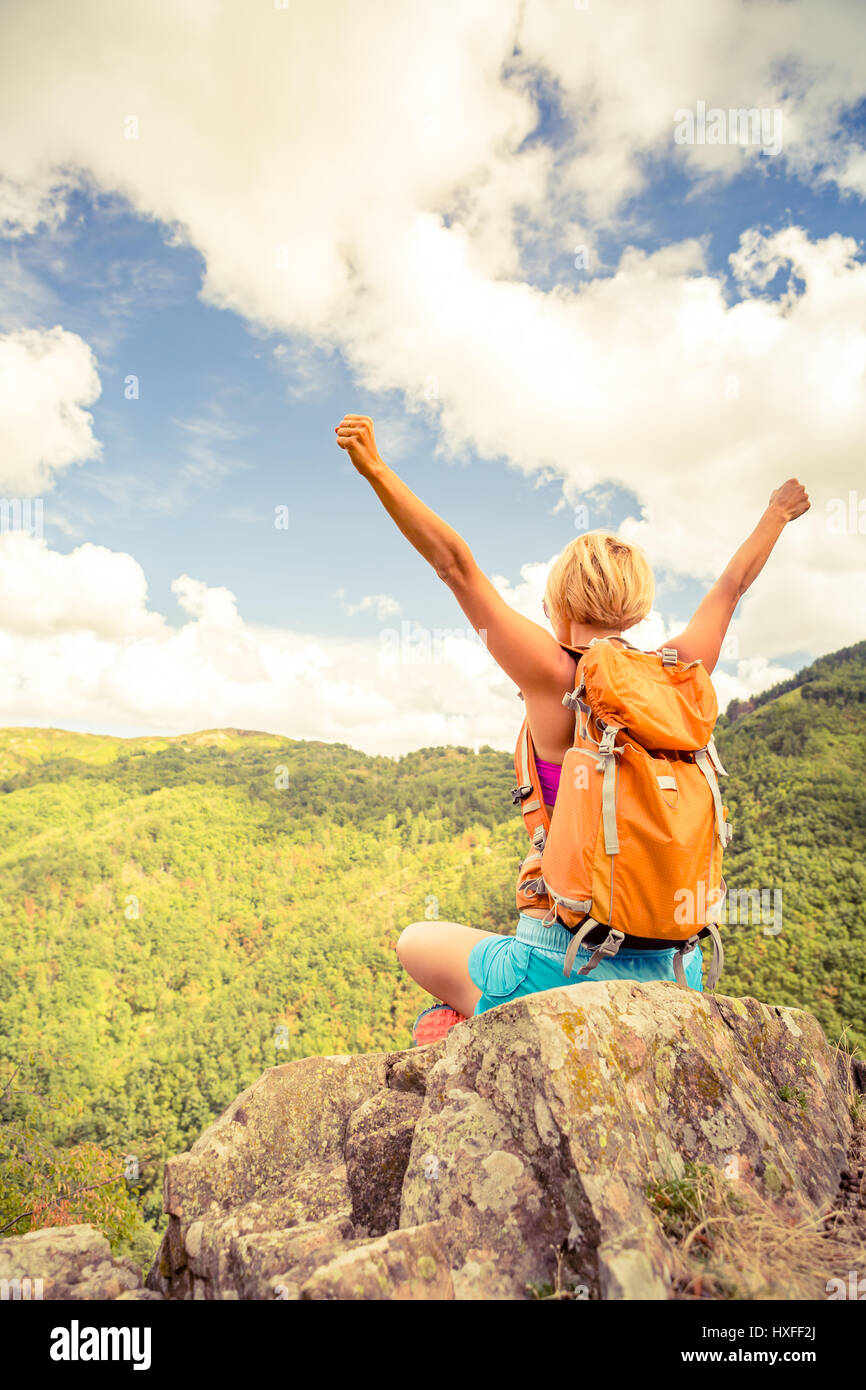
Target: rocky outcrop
{"x": 516, "y": 1154}
{"x": 66, "y": 1262}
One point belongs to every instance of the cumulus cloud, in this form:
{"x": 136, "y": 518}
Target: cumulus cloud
{"x": 320, "y": 216}
{"x": 39, "y": 199}
{"x": 47, "y": 378}
{"x": 94, "y": 590}
{"x": 383, "y": 605}
{"x": 80, "y": 624}
{"x": 314, "y": 90}
{"x": 622, "y": 76}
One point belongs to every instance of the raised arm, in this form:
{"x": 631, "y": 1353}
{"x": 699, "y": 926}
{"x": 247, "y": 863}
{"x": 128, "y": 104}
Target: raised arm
{"x": 702, "y": 639}
{"x": 527, "y": 652}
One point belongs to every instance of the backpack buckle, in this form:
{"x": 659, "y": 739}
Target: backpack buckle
{"x": 611, "y": 943}
{"x": 609, "y": 947}
{"x": 669, "y": 656}
{"x": 608, "y": 739}
{"x": 519, "y": 794}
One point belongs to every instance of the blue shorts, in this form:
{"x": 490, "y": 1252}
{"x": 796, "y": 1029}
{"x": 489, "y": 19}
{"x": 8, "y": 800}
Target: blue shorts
{"x": 505, "y": 967}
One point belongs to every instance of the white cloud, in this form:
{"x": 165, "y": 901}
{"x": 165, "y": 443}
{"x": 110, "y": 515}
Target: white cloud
{"x": 47, "y": 377}
{"x": 799, "y": 606}
{"x": 40, "y": 198}
{"x": 383, "y": 605}
{"x": 77, "y": 629}
{"x": 322, "y": 217}
{"x": 94, "y": 590}
{"x": 24, "y": 297}
{"x": 752, "y": 676}
{"x": 622, "y": 75}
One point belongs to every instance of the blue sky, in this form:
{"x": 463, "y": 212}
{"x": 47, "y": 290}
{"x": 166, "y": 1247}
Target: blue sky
{"x": 236, "y": 415}
{"x": 193, "y": 468}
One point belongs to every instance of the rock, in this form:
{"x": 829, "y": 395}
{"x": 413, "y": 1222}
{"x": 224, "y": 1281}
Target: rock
{"x": 276, "y": 1264}
{"x": 378, "y": 1142}
{"x": 408, "y": 1071}
{"x": 65, "y": 1262}
{"x": 513, "y": 1157}
{"x": 410, "y": 1264}
{"x": 273, "y": 1160}
{"x": 542, "y": 1127}
{"x": 205, "y": 1249}
{"x": 293, "y": 1115}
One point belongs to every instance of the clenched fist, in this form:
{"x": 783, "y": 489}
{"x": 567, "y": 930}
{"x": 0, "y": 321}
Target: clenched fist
{"x": 355, "y": 435}
{"x": 790, "y": 500}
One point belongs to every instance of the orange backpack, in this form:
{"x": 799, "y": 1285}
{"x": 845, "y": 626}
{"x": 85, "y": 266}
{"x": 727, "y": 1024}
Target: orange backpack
{"x": 636, "y": 837}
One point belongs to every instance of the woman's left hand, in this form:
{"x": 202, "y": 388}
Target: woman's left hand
{"x": 355, "y": 435}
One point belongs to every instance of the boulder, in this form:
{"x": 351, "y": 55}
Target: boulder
{"x": 513, "y": 1159}
{"x": 65, "y": 1262}
{"x": 294, "y": 1115}
{"x": 378, "y": 1142}
{"x": 545, "y": 1121}
{"x": 405, "y": 1264}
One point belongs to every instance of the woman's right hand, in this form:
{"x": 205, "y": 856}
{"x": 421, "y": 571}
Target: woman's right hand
{"x": 790, "y": 500}
{"x": 355, "y": 435}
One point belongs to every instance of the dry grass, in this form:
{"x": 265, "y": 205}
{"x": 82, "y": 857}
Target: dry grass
{"x": 728, "y": 1242}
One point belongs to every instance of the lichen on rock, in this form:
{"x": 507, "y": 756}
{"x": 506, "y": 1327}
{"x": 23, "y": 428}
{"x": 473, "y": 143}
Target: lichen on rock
{"x": 519, "y": 1154}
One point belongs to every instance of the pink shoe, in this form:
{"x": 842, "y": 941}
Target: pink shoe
{"x": 432, "y": 1024}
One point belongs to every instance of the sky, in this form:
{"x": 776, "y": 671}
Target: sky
{"x": 535, "y": 242}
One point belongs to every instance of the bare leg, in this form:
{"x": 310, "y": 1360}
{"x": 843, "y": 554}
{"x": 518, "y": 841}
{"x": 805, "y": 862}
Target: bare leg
{"x": 436, "y": 955}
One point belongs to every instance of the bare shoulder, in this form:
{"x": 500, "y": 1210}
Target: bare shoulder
{"x": 551, "y": 724}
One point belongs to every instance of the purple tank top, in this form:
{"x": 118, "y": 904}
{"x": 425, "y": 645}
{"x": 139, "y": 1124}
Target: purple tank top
{"x": 549, "y": 773}
{"x": 548, "y": 776}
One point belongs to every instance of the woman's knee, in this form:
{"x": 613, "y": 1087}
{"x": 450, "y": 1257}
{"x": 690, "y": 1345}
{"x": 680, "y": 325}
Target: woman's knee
{"x": 410, "y": 940}
{"x": 435, "y": 954}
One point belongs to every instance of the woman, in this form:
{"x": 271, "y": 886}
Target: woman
{"x": 598, "y": 587}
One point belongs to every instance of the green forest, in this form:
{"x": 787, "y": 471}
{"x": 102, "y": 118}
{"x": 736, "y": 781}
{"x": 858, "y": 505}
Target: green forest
{"x": 181, "y": 913}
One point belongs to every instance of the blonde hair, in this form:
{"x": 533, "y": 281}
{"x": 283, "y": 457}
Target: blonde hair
{"x": 601, "y": 580}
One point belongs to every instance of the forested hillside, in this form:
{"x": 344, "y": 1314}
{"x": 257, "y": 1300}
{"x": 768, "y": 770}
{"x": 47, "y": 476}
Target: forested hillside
{"x": 796, "y": 795}
{"x": 180, "y": 913}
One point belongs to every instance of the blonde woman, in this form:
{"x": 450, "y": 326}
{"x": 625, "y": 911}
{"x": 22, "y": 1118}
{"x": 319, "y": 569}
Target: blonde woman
{"x": 600, "y": 586}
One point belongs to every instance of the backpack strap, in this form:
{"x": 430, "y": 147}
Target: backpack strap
{"x": 679, "y": 968}
{"x": 714, "y": 757}
{"x": 575, "y": 943}
{"x": 527, "y": 793}
{"x": 705, "y": 763}
{"x": 608, "y": 790}
{"x": 631, "y": 646}
{"x": 605, "y": 762}
{"x": 608, "y": 947}
{"x": 717, "y": 963}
